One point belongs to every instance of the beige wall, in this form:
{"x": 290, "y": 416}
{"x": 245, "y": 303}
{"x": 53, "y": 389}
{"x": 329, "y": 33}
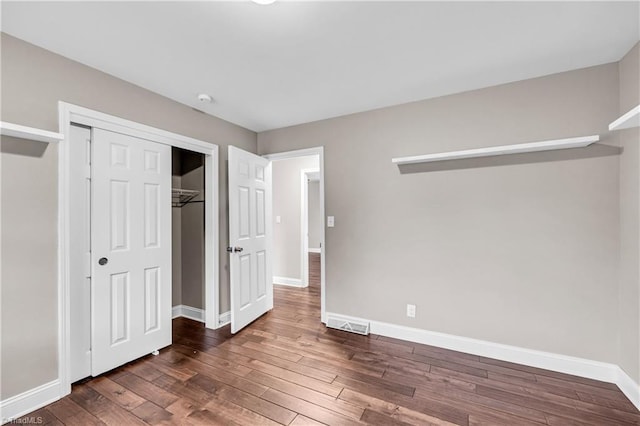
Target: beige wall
{"x": 287, "y": 193}
{"x": 522, "y": 250}
{"x": 193, "y": 242}
{"x": 29, "y": 290}
{"x": 33, "y": 81}
{"x": 629, "y": 296}
{"x": 315, "y": 218}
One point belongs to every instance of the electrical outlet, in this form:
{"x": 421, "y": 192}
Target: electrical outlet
{"x": 331, "y": 221}
{"x": 411, "y": 311}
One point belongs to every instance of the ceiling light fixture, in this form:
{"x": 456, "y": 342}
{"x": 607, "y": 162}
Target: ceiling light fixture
{"x": 263, "y": 2}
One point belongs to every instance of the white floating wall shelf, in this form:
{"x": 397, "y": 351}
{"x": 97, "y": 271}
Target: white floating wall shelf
{"x": 31, "y": 133}
{"x": 500, "y": 150}
{"x": 627, "y": 121}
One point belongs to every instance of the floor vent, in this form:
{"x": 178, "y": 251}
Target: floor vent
{"x": 349, "y": 325}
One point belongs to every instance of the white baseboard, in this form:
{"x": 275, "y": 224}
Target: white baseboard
{"x": 31, "y": 400}
{"x": 629, "y": 387}
{"x": 315, "y": 250}
{"x": 292, "y": 282}
{"x": 197, "y": 314}
{"x": 224, "y": 318}
{"x": 185, "y": 311}
{"x": 546, "y": 360}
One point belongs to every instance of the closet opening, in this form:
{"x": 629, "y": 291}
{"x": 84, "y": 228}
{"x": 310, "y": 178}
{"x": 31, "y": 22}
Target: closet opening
{"x": 188, "y": 234}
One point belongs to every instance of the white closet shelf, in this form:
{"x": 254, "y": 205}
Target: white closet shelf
{"x": 628, "y": 120}
{"x": 24, "y": 132}
{"x": 500, "y": 150}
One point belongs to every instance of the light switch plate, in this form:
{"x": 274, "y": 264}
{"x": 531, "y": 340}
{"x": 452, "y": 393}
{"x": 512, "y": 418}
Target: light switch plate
{"x": 331, "y": 221}
{"x": 278, "y": 219}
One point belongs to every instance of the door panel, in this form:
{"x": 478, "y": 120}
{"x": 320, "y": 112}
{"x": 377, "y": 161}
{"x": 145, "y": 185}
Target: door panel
{"x": 249, "y": 237}
{"x": 120, "y": 303}
{"x": 131, "y": 217}
{"x": 80, "y": 257}
{"x": 152, "y": 306}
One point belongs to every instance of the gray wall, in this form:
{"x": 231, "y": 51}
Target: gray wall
{"x": 33, "y": 81}
{"x": 287, "y": 195}
{"x": 521, "y": 250}
{"x": 629, "y": 314}
{"x": 29, "y": 290}
{"x": 193, "y": 242}
{"x": 315, "y": 218}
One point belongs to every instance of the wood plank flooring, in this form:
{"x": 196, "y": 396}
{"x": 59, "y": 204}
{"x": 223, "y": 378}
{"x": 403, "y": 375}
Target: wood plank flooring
{"x": 287, "y": 368}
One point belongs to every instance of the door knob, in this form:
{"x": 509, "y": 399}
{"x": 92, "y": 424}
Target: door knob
{"x": 103, "y": 261}
{"x": 234, "y": 249}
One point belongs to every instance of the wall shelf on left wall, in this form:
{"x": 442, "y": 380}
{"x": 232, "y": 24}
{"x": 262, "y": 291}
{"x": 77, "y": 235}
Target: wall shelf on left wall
{"x": 31, "y": 133}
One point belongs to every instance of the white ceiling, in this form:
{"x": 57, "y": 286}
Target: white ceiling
{"x": 295, "y": 62}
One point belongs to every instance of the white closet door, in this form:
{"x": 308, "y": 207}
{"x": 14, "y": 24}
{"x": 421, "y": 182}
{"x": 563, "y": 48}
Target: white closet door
{"x": 80, "y": 258}
{"x": 131, "y": 248}
{"x": 249, "y": 229}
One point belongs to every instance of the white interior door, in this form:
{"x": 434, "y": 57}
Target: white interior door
{"x": 131, "y": 248}
{"x": 249, "y": 237}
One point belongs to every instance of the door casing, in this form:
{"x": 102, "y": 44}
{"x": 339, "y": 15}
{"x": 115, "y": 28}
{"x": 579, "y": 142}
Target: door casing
{"x": 67, "y": 201}
{"x": 305, "y": 175}
{"x": 319, "y": 151}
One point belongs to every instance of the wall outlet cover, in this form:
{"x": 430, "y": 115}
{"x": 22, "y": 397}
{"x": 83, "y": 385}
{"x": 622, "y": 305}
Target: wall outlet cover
{"x": 411, "y": 311}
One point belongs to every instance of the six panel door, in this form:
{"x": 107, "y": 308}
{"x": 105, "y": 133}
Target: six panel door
{"x": 249, "y": 228}
{"x": 131, "y": 248}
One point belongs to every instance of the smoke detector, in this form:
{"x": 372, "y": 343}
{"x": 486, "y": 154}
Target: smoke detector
{"x": 204, "y": 98}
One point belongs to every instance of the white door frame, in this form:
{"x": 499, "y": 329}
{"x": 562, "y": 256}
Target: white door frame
{"x": 304, "y": 223}
{"x": 69, "y": 113}
{"x": 319, "y": 151}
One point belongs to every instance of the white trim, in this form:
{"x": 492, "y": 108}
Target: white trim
{"x": 307, "y": 152}
{"x": 590, "y": 369}
{"x": 304, "y": 153}
{"x": 291, "y": 282}
{"x": 304, "y": 229}
{"x": 224, "y": 319}
{"x": 104, "y": 121}
{"x": 551, "y": 145}
{"x": 212, "y": 239}
{"x": 315, "y": 250}
{"x": 304, "y": 224}
{"x": 30, "y": 133}
{"x": 628, "y": 120}
{"x": 184, "y": 311}
{"x": 190, "y": 312}
{"x": 31, "y": 400}
{"x": 629, "y": 387}
{"x": 69, "y": 113}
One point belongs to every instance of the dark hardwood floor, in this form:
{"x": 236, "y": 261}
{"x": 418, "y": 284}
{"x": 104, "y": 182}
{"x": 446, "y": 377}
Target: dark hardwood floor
{"x": 287, "y": 368}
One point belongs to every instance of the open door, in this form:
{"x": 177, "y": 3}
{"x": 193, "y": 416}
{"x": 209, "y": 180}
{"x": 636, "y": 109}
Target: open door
{"x": 131, "y": 248}
{"x": 249, "y": 237}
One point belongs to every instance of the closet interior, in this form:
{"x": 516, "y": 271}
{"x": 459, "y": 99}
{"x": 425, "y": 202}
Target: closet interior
{"x": 188, "y": 266}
